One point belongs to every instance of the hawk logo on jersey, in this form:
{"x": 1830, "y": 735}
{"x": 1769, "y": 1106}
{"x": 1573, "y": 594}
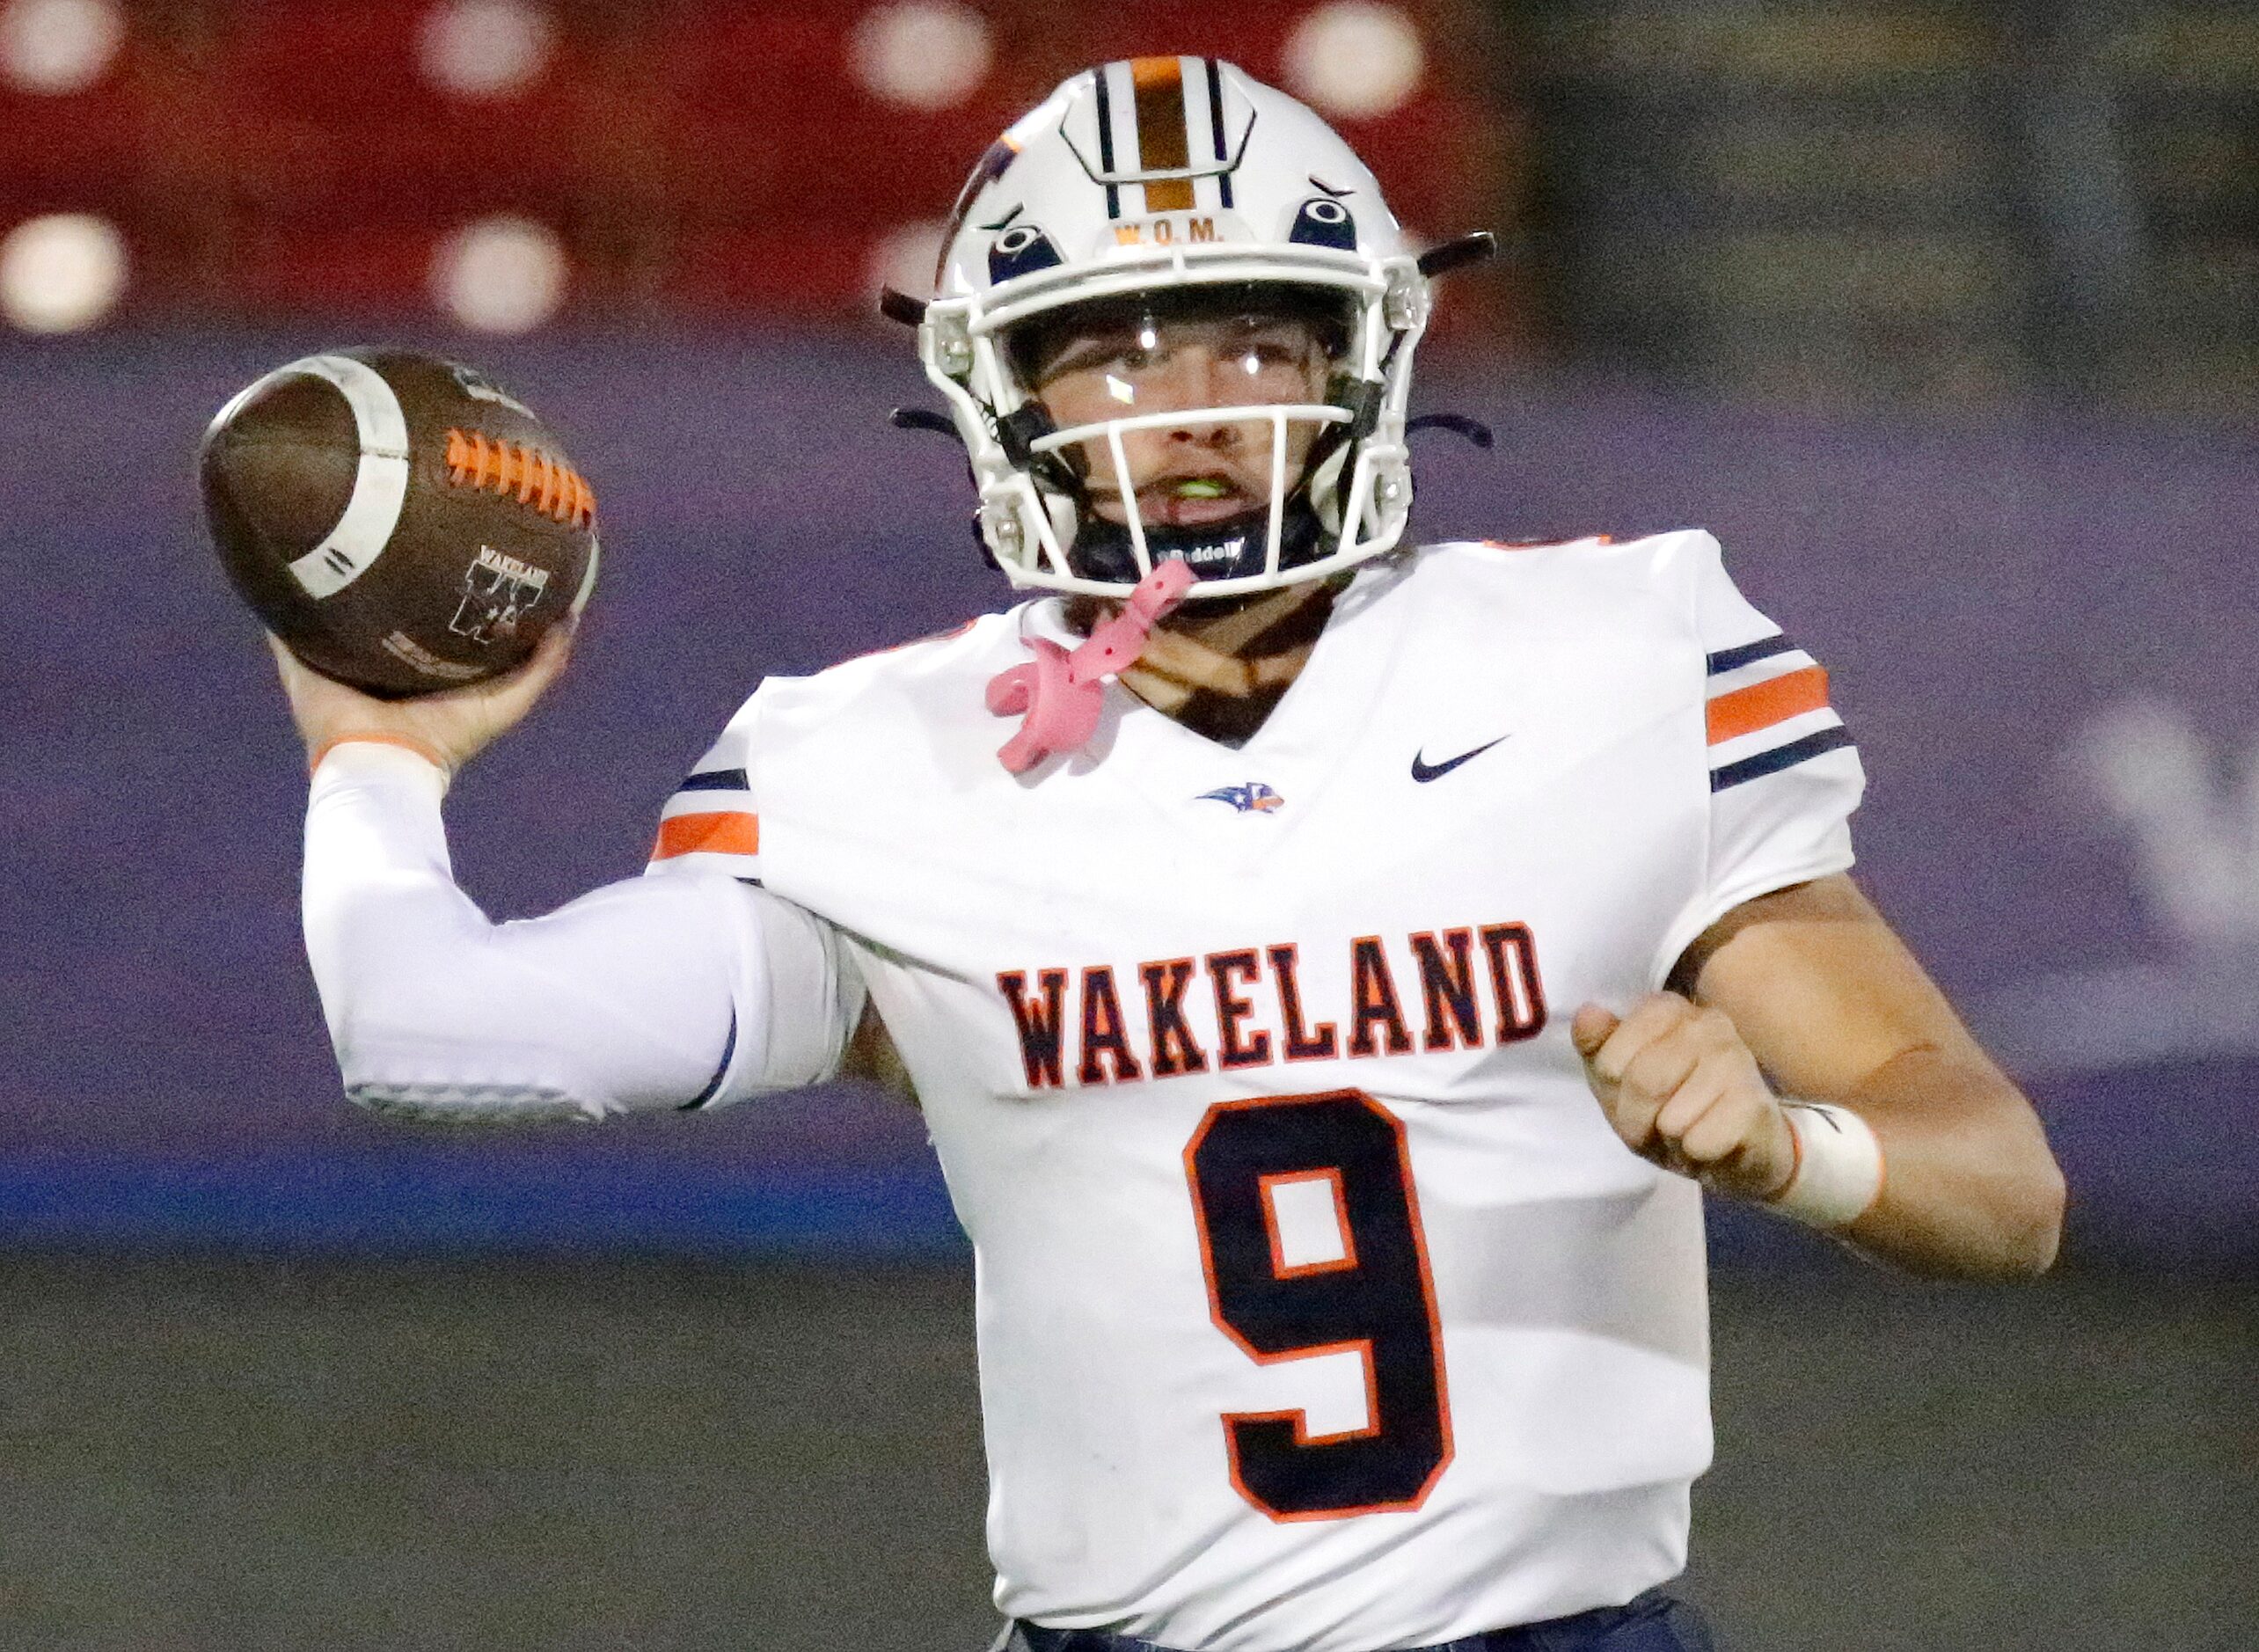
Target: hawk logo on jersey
{"x": 1252, "y": 797}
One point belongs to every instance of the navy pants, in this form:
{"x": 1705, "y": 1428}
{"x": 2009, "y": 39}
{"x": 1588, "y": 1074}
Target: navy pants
{"x": 1652, "y": 1622}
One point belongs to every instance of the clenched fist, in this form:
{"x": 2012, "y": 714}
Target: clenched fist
{"x": 1682, "y": 1091}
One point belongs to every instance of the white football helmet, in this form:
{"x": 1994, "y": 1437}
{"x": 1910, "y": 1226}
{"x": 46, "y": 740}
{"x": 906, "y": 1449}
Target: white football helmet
{"x": 1175, "y": 186}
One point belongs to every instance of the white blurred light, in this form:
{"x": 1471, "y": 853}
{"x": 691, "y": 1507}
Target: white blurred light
{"x": 499, "y": 274}
{"x": 1355, "y": 58}
{"x": 905, "y": 258}
{"x": 59, "y": 47}
{"x": 925, "y": 54}
{"x": 61, "y": 273}
{"x": 485, "y": 48}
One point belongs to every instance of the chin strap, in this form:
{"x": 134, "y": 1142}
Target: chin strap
{"x": 1057, "y": 694}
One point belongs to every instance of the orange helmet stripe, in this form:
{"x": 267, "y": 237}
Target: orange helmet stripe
{"x": 1164, "y": 144}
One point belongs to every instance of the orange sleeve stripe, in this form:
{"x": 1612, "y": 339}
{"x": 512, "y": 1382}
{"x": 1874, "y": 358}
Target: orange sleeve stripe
{"x": 732, "y": 833}
{"x": 1762, "y": 705}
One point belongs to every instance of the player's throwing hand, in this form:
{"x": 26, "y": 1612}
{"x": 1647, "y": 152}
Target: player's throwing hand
{"x": 449, "y": 727}
{"x": 1682, "y": 1091}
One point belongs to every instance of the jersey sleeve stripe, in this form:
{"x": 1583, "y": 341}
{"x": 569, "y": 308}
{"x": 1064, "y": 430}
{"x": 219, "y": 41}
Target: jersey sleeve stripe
{"x": 1779, "y": 757}
{"x": 716, "y": 780}
{"x": 1733, "y": 659}
{"x": 722, "y": 1069}
{"x": 1761, "y": 705}
{"x": 729, "y": 833}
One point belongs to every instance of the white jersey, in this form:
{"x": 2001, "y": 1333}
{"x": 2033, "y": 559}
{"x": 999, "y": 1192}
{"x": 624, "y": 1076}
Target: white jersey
{"x": 1318, "y": 1306}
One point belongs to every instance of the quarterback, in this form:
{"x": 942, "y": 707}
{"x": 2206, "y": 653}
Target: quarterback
{"x": 1332, "y": 968}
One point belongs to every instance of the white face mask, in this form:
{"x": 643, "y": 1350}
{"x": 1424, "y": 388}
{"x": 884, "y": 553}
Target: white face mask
{"x": 1147, "y": 390}
{"x": 1189, "y": 421}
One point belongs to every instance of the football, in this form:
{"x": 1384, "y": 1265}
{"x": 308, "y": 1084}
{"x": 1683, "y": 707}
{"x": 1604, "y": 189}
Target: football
{"x": 402, "y": 524}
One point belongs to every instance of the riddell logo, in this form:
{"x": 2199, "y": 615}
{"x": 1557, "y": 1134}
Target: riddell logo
{"x": 1223, "y": 553}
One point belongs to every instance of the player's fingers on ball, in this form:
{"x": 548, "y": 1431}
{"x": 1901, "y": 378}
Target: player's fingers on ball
{"x": 509, "y": 697}
{"x": 322, "y": 709}
{"x": 297, "y": 676}
{"x": 552, "y": 653}
{"x": 556, "y": 643}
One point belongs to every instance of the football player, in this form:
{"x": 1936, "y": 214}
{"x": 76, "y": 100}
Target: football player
{"x": 1332, "y": 970}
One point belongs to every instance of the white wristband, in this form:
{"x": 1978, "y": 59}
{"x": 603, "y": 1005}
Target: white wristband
{"x": 1838, "y": 1172}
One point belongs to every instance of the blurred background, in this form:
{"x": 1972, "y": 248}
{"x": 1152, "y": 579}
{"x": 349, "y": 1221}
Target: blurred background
{"x": 1944, "y": 317}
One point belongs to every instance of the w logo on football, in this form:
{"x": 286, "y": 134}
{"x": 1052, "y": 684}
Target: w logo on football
{"x": 1254, "y": 796}
{"x": 496, "y": 591}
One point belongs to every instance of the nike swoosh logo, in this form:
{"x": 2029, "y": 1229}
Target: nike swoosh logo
{"x": 1424, "y": 771}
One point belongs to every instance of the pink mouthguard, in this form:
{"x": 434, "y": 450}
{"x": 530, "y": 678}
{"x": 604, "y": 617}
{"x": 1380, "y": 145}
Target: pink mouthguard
{"x": 1057, "y": 694}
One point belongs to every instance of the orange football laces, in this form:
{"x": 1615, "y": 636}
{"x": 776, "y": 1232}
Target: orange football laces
{"x": 547, "y": 485}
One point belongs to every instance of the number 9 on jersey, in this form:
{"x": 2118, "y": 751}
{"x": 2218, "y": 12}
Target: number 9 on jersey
{"x": 1373, "y": 1297}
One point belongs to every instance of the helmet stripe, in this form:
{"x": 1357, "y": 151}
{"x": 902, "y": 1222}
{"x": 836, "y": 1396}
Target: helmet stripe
{"x": 1215, "y": 129}
{"x": 1164, "y": 142}
{"x": 1105, "y": 110}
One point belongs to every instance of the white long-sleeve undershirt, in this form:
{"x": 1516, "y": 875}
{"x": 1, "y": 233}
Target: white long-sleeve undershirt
{"x": 648, "y": 993}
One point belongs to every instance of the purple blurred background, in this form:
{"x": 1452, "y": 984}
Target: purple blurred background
{"x": 2035, "y": 624}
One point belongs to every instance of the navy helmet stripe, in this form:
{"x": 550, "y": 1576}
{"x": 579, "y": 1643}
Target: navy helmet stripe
{"x": 1731, "y": 659}
{"x": 1215, "y": 128}
{"x": 1779, "y": 757}
{"x": 1106, "y": 141}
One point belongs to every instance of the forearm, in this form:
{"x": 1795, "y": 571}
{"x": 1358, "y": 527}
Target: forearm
{"x": 1969, "y": 1189}
{"x": 1835, "y": 1009}
{"x": 651, "y": 993}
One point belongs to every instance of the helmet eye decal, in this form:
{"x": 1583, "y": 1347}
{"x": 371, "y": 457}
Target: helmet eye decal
{"x": 1322, "y": 221}
{"x": 1022, "y": 248}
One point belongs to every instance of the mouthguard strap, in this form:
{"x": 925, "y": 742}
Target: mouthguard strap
{"x": 1058, "y": 695}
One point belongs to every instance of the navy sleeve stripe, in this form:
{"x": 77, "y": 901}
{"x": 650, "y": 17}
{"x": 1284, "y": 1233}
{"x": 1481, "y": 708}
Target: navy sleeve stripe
{"x": 1779, "y": 757}
{"x": 713, "y": 1084}
{"x": 716, "y": 780}
{"x": 1732, "y": 659}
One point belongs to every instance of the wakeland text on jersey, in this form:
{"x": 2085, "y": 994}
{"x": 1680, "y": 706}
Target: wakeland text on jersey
{"x": 1453, "y": 967}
